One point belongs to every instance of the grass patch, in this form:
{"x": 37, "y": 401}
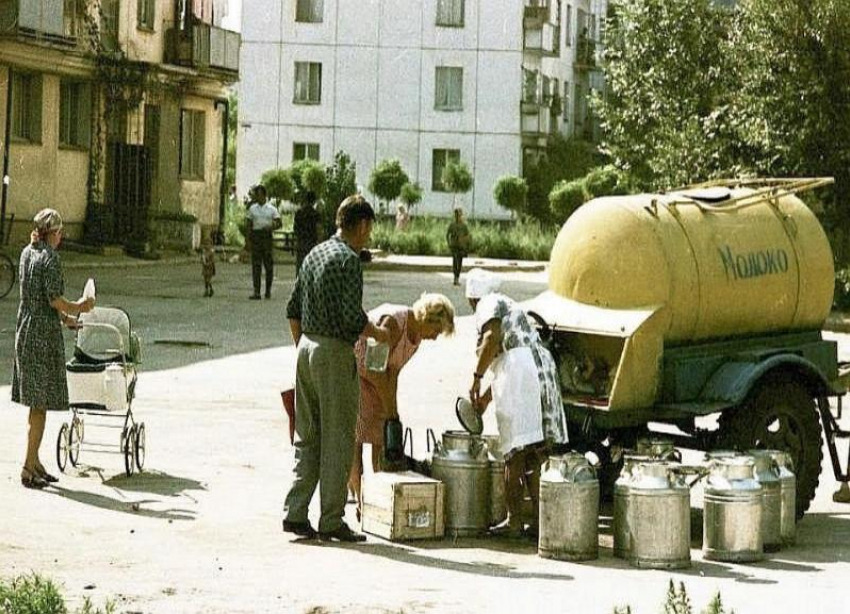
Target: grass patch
{"x": 33, "y": 594}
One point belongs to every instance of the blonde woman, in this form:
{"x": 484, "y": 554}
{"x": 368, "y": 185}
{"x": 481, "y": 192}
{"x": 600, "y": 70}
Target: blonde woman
{"x": 38, "y": 376}
{"x": 430, "y": 316}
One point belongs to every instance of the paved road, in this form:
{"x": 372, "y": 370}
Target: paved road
{"x": 200, "y": 531}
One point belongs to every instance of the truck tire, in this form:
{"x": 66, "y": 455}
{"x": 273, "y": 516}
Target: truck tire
{"x": 780, "y": 415}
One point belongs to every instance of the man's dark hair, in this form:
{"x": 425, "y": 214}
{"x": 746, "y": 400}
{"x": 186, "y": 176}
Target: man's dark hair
{"x": 352, "y": 211}
{"x": 260, "y": 188}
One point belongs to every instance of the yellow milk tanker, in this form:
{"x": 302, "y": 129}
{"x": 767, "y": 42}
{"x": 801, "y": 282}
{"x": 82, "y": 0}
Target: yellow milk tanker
{"x": 704, "y": 300}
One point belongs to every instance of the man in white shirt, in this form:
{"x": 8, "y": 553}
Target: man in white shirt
{"x": 263, "y": 219}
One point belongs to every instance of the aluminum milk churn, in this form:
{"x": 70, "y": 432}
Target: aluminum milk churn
{"x": 461, "y": 463}
{"x": 569, "y": 509}
{"x": 732, "y": 511}
{"x": 620, "y": 524}
{"x": 659, "y": 517}
{"x": 767, "y": 473}
{"x": 498, "y": 506}
{"x": 788, "y": 495}
{"x": 658, "y": 447}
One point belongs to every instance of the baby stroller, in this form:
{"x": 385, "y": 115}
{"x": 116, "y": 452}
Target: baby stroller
{"x": 101, "y": 385}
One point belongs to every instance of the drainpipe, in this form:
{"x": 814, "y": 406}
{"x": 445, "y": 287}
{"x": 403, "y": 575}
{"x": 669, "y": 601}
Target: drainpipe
{"x": 7, "y": 137}
{"x": 222, "y": 103}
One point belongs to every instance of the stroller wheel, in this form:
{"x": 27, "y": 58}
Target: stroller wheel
{"x": 75, "y": 439}
{"x": 62, "y": 448}
{"x": 127, "y": 442}
{"x": 140, "y": 446}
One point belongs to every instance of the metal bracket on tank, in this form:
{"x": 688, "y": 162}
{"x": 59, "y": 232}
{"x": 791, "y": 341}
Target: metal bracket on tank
{"x": 652, "y": 208}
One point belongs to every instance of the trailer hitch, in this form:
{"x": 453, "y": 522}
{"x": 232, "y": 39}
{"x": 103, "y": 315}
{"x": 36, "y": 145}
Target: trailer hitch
{"x": 833, "y": 432}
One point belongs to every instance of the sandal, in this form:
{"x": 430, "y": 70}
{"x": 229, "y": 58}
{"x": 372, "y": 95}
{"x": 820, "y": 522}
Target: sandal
{"x": 42, "y": 473}
{"x": 32, "y": 480}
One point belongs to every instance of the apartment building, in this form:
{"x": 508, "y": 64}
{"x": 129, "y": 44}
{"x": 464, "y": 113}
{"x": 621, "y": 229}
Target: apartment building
{"x": 425, "y": 81}
{"x": 113, "y": 112}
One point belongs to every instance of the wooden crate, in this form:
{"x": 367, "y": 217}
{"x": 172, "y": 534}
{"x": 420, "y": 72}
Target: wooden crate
{"x": 402, "y": 506}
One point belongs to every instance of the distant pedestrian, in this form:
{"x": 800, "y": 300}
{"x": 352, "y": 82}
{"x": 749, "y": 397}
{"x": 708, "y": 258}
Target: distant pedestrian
{"x": 460, "y": 242}
{"x": 402, "y": 218}
{"x": 208, "y": 268}
{"x": 306, "y": 227}
{"x": 38, "y": 374}
{"x": 326, "y": 317}
{"x": 263, "y": 219}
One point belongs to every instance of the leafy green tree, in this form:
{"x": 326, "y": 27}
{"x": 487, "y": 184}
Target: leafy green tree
{"x": 565, "y": 198}
{"x": 411, "y": 194}
{"x": 457, "y": 179}
{"x": 279, "y": 184}
{"x": 309, "y": 179}
{"x": 341, "y": 182}
{"x": 386, "y": 181}
{"x": 511, "y": 193}
{"x": 605, "y": 181}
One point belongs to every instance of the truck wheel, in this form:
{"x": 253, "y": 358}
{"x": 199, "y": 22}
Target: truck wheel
{"x": 781, "y": 416}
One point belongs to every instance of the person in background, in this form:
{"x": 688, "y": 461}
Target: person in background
{"x": 208, "y": 268}
{"x": 524, "y": 391}
{"x": 460, "y": 241}
{"x": 402, "y": 218}
{"x": 306, "y": 227}
{"x": 326, "y": 318}
{"x": 430, "y": 316}
{"x": 38, "y": 374}
{"x": 263, "y": 219}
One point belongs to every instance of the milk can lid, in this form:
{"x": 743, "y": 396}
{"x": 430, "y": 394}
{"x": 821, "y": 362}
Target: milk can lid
{"x": 468, "y": 416}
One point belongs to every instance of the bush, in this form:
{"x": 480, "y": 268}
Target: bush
{"x": 278, "y": 183}
{"x": 340, "y": 183}
{"x": 510, "y": 192}
{"x": 605, "y": 181}
{"x": 310, "y": 181}
{"x": 387, "y": 179}
{"x": 841, "y": 297}
{"x": 411, "y": 194}
{"x": 457, "y": 177}
{"x": 32, "y": 594}
{"x": 565, "y": 198}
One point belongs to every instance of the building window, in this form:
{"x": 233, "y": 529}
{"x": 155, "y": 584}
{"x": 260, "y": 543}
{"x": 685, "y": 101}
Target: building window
{"x": 109, "y": 14}
{"x": 450, "y": 13}
{"x": 192, "y": 124}
{"x": 309, "y": 11}
{"x": 568, "y": 25}
{"x": 308, "y": 83}
{"x": 448, "y": 93}
{"x": 305, "y": 151}
{"x": 439, "y": 161}
{"x": 145, "y": 14}
{"x": 74, "y": 114}
{"x": 26, "y": 107}
{"x": 566, "y": 103}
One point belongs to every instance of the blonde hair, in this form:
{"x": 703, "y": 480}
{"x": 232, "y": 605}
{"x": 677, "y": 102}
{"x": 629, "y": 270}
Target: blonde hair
{"x": 46, "y": 221}
{"x": 433, "y": 307}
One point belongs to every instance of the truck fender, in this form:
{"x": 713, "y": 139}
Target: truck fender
{"x": 732, "y": 382}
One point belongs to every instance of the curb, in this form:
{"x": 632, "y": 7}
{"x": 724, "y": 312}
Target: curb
{"x": 837, "y": 323}
{"x": 394, "y": 265}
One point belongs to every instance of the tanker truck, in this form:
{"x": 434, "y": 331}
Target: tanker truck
{"x": 664, "y": 311}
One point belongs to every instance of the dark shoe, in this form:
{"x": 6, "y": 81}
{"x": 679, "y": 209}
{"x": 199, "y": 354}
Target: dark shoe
{"x": 46, "y": 476}
{"x": 254, "y": 297}
{"x": 268, "y": 295}
{"x": 301, "y": 529}
{"x": 211, "y": 291}
{"x": 342, "y": 534}
{"x": 32, "y": 480}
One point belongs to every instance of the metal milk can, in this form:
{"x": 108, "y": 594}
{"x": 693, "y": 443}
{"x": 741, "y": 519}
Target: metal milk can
{"x": 569, "y": 509}
{"x": 461, "y": 463}
{"x": 659, "y": 517}
{"x": 732, "y": 511}
{"x": 498, "y": 506}
{"x": 658, "y": 447}
{"x": 767, "y": 473}
{"x": 620, "y": 524}
{"x": 788, "y": 495}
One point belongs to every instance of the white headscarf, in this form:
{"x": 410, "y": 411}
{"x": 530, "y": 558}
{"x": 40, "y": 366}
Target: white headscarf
{"x": 480, "y": 283}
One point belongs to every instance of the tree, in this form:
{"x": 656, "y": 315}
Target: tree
{"x": 386, "y": 181}
{"x": 411, "y": 194}
{"x": 565, "y": 198}
{"x": 279, "y": 184}
{"x": 309, "y": 179}
{"x": 605, "y": 181}
{"x": 340, "y": 183}
{"x": 457, "y": 179}
{"x": 511, "y": 192}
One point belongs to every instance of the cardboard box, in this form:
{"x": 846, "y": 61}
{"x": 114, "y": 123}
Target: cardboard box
{"x": 402, "y": 506}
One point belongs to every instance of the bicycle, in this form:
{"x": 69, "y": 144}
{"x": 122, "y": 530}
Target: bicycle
{"x": 8, "y": 270}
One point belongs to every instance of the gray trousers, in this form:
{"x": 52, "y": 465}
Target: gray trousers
{"x": 327, "y": 398}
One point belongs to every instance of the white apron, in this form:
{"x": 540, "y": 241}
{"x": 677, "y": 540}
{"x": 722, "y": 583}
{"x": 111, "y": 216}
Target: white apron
{"x": 516, "y": 397}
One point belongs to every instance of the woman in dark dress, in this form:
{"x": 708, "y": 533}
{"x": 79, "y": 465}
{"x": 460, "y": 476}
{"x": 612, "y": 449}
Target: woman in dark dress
{"x": 38, "y": 376}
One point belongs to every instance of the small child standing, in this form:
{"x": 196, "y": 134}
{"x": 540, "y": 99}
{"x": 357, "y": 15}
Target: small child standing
{"x": 208, "y": 268}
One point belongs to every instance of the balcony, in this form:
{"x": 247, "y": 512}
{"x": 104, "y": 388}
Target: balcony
{"x": 543, "y": 39}
{"x": 42, "y": 20}
{"x": 585, "y": 58}
{"x": 204, "y": 46}
{"x": 536, "y": 12}
{"x": 539, "y": 124}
